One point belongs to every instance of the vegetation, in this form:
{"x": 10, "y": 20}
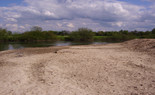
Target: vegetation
{"x": 123, "y": 35}
{"x": 82, "y": 34}
{"x": 4, "y": 34}
{"x": 36, "y": 34}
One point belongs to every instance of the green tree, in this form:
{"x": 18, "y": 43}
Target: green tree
{"x": 153, "y": 31}
{"x": 49, "y": 35}
{"x": 36, "y": 28}
{"x": 123, "y": 32}
{"x": 3, "y": 34}
{"x": 82, "y": 34}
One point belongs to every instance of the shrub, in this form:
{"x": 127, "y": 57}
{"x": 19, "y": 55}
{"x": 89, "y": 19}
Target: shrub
{"x": 38, "y": 36}
{"x": 82, "y": 34}
{"x": 4, "y": 34}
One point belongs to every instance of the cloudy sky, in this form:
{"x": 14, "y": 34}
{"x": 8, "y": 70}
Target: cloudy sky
{"x": 21, "y": 15}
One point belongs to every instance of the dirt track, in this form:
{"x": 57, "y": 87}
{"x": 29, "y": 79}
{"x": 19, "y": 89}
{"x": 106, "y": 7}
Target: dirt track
{"x": 109, "y": 69}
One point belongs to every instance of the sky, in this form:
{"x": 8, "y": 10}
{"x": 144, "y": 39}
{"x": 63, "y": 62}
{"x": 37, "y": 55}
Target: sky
{"x": 98, "y": 15}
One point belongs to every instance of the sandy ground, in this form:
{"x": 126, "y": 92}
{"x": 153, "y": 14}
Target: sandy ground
{"x": 112, "y": 69}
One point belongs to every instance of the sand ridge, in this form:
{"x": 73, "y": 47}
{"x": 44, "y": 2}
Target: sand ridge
{"x": 111, "y": 69}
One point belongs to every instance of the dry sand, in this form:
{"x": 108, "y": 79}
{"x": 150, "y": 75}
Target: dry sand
{"x": 112, "y": 69}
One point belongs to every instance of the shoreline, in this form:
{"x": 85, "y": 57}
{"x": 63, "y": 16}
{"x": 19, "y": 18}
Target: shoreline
{"x": 13, "y": 46}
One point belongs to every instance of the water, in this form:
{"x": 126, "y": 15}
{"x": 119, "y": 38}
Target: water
{"x": 15, "y": 45}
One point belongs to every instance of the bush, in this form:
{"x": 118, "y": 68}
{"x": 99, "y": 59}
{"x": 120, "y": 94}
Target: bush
{"x": 82, "y": 34}
{"x": 38, "y": 36}
{"x": 4, "y": 35}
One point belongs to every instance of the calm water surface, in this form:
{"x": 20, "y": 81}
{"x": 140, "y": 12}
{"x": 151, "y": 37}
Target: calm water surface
{"x": 15, "y": 45}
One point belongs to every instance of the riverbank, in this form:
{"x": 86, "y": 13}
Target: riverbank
{"x": 110, "y": 69}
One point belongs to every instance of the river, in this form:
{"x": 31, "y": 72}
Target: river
{"x": 17, "y": 45}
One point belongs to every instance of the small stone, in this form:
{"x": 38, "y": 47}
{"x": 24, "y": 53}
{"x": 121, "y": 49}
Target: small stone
{"x": 135, "y": 88}
{"x": 42, "y": 80}
{"x": 141, "y": 84}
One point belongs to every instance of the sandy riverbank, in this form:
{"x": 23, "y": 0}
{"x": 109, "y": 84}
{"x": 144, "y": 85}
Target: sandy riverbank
{"x": 113, "y": 69}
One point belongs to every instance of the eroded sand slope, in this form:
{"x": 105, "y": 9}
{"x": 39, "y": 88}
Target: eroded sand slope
{"x": 109, "y": 69}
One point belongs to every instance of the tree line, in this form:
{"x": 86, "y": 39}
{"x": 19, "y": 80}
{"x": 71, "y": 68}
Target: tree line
{"x": 82, "y": 34}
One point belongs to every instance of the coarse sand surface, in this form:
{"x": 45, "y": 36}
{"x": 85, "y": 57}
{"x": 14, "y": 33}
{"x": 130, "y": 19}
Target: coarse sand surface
{"x": 126, "y": 68}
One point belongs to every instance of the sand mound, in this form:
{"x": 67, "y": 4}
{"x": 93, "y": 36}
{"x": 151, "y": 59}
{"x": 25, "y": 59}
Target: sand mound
{"x": 142, "y": 45}
{"x": 110, "y": 69}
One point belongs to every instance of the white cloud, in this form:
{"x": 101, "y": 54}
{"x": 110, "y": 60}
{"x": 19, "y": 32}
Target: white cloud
{"x": 14, "y": 27}
{"x": 70, "y": 25}
{"x": 119, "y": 24}
{"x": 72, "y": 14}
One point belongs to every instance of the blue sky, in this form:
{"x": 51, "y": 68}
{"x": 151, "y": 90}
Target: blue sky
{"x": 21, "y": 15}
{"x": 5, "y": 3}
{"x": 138, "y": 2}
{"x": 18, "y": 2}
